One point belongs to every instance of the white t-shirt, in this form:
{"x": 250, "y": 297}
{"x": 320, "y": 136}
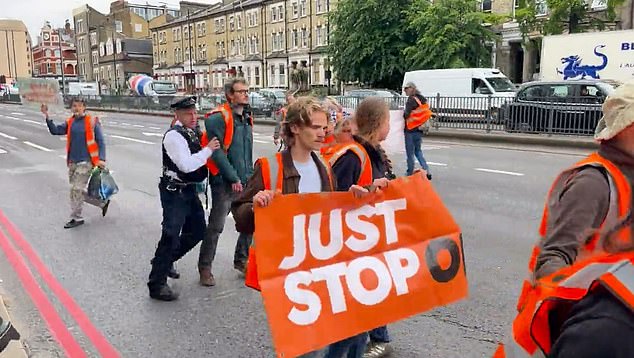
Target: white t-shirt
{"x": 310, "y": 180}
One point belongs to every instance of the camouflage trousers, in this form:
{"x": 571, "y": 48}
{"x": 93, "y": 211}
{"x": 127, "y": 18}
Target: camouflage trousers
{"x": 78, "y": 176}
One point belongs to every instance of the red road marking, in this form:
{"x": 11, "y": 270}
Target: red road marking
{"x": 47, "y": 311}
{"x": 102, "y": 345}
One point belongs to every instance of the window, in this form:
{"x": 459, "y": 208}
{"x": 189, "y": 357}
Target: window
{"x": 320, "y": 39}
{"x": 274, "y": 11}
{"x": 304, "y": 37}
{"x": 202, "y": 29}
{"x": 257, "y": 75}
{"x": 248, "y": 76}
{"x": 119, "y": 26}
{"x": 282, "y": 74}
{"x": 233, "y": 48}
{"x": 154, "y": 38}
{"x": 95, "y": 58}
{"x": 253, "y": 19}
{"x": 49, "y": 68}
{"x": 561, "y": 91}
{"x": 320, "y": 6}
{"x": 232, "y": 24}
{"x": 302, "y": 8}
{"x": 203, "y": 52}
{"x": 295, "y": 39}
{"x": 316, "y": 72}
{"x": 541, "y": 7}
{"x": 119, "y": 47}
{"x": 93, "y": 39}
{"x": 272, "y": 76}
{"x": 239, "y": 21}
{"x": 79, "y": 26}
{"x": 186, "y": 32}
{"x": 49, "y": 53}
{"x": 138, "y": 28}
{"x": 534, "y": 93}
{"x": 479, "y": 87}
{"x": 280, "y": 10}
{"x": 486, "y": 5}
{"x": 295, "y": 10}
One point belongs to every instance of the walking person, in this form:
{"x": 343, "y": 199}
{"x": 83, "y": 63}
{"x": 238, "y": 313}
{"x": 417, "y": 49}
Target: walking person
{"x": 578, "y": 300}
{"x": 303, "y": 172}
{"x": 85, "y": 150}
{"x": 363, "y": 162}
{"x": 290, "y": 99}
{"x": 183, "y": 225}
{"x": 416, "y": 114}
{"x": 229, "y": 169}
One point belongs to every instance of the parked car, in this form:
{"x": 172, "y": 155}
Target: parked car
{"x": 277, "y": 96}
{"x": 563, "y": 107}
{"x": 394, "y": 99}
{"x": 260, "y": 105}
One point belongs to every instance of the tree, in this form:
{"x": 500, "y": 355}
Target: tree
{"x": 451, "y": 34}
{"x": 564, "y": 16}
{"x": 367, "y": 41}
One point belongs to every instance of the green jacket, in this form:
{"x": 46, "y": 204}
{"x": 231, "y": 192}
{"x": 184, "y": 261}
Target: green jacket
{"x": 236, "y": 164}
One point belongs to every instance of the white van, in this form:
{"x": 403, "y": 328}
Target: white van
{"x": 83, "y": 89}
{"x": 463, "y": 92}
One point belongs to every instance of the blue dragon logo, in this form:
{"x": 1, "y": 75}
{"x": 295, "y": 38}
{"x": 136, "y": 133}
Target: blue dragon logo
{"x": 573, "y": 67}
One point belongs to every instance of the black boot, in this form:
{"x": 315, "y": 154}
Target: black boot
{"x": 163, "y": 293}
{"x": 8, "y": 333}
{"x": 172, "y": 273}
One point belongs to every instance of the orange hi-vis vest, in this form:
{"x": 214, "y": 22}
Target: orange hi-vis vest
{"x": 419, "y": 116}
{"x": 227, "y": 117}
{"x": 333, "y": 153}
{"x": 593, "y": 267}
{"x": 91, "y": 144}
{"x": 272, "y": 177}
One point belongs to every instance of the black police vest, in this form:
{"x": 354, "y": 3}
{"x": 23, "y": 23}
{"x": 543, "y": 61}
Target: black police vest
{"x": 193, "y": 142}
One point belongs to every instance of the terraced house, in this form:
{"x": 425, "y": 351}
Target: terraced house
{"x": 270, "y": 43}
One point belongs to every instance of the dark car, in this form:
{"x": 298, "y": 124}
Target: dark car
{"x": 562, "y": 107}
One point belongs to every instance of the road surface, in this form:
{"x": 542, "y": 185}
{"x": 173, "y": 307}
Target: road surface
{"x": 495, "y": 193}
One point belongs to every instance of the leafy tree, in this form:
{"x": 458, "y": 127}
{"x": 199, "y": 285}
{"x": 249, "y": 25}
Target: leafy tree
{"x": 451, "y": 34}
{"x": 367, "y": 41}
{"x": 564, "y": 16}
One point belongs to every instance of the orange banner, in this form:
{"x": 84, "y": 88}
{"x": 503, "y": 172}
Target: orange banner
{"x": 332, "y": 266}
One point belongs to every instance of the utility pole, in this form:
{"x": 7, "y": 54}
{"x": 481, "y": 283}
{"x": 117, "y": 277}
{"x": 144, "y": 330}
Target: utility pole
{"x": 328, "y": 71}
{"x": 114, "y": 52}
{"x": 61, "y": 55}
{"x": 192, "y": 81}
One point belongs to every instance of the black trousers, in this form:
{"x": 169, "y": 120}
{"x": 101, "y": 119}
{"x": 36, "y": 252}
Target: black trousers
{"x": 183, "y": 228}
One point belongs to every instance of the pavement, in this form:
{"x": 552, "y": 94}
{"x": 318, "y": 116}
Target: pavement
{"x": 495, "y": 191}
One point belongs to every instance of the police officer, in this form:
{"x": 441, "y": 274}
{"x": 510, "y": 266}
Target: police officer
{"x": 183, "y": 216}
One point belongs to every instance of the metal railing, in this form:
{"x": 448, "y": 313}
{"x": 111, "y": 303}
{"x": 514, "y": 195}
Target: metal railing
{"x": 545, "y": 115}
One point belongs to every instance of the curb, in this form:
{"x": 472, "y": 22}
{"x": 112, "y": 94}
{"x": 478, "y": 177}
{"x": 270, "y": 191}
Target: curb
{"x": 483, "y": 137}
{"x": 15, "y": 349}
{"x": 535, "y": 140}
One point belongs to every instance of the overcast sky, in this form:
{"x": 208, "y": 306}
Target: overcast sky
{"x": 34, "y": 13}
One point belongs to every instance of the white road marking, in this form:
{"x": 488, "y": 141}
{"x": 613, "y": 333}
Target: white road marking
{"x": 138, "y": 126}
{"x": 113, "y": 122}
{"x": 260, "y": 141}
{"x": 15, "y": 119}
{"x": 437, "y": 164}
{"x": 155, "y": 128}
{"x": 131, "y": 139}
{"x": 34, "y": 122}
{"x": 499, "y": 172}
{"x": 256, "y": 134}
{"x": 126, "y": 124}
{"x": 17, "y": 114}
{"x": 149, "y": 134}
{"x": 7, "y": 136}
{"x": 2, "y": 151}
{"x": 37, "y": 146}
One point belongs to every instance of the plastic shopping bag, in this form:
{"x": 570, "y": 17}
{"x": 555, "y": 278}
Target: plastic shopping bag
{"x": 101, "y": 185}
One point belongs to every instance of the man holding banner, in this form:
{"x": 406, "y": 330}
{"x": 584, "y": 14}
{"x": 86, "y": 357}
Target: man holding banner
{"x": 327, "y": 262}
{"x": 296, "y": 170}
